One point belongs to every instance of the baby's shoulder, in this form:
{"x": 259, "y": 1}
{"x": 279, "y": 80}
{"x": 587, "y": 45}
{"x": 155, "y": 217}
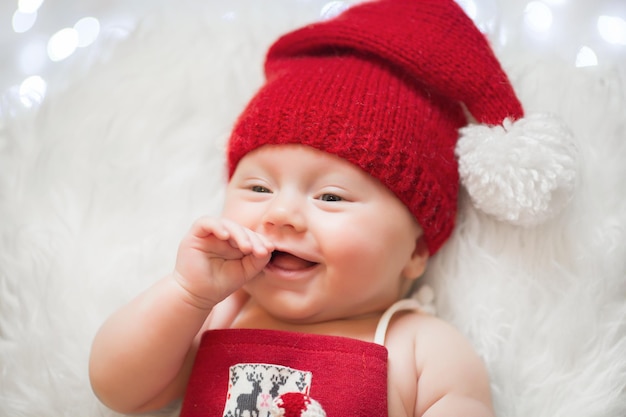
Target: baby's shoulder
{"x": 415, "y": 322}
{"x": 427, "y": 351}
{"x": 425, "y": 333}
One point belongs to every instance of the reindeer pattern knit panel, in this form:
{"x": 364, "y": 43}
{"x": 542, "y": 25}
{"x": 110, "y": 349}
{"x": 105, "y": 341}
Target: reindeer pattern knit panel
{"x": 239, "y": 372}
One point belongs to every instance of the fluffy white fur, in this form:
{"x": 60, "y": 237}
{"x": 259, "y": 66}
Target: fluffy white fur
{"x": 98, "y": 186}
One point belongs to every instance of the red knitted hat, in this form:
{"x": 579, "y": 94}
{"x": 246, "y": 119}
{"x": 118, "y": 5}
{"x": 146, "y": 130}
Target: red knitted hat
{"x": 384, "y": 85}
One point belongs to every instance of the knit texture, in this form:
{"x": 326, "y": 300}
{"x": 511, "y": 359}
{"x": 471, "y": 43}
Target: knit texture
{"x": 383, "y": 85}
{"x": 348, "y": 376}
{"x": 296, "y": 404}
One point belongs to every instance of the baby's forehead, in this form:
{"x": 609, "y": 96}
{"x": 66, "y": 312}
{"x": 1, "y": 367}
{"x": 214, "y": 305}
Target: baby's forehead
{"x": 297, "y": 161}
{"x": 279, "y": 155}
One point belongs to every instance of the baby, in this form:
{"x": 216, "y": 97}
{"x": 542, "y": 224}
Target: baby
{"x": 343, "y": 181}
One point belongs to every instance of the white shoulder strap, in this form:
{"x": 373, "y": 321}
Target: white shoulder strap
{"x": 422, "y": 302}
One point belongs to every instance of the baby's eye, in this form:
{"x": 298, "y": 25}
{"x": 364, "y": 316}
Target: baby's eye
{"x": 330, "y": 197}
{"x": 260, "y": 189}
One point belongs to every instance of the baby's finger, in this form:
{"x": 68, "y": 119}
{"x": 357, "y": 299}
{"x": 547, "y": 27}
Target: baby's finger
{"x": 261, "y": 246}
{"x": 267, "y": 243}
{"x": 239, "y": 237}
{"x": 207, "y": 226}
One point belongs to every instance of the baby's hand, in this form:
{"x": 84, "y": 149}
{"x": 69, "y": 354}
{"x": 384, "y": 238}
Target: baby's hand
{"x": 217, "y": 257}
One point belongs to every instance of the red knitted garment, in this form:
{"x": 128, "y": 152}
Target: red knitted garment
{"x": 241, "y": 371}
{"x": 383, "y": 86}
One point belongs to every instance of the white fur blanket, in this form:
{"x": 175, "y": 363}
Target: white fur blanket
{"x": 97, "y": 186}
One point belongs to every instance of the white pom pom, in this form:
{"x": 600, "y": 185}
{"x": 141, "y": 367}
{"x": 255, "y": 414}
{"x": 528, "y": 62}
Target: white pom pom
{"x": 523, "y": 172}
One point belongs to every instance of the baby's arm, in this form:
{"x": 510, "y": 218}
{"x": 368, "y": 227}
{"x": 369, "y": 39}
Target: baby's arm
{"x": 141, "y": 357}
{"x": 453, "y": 380}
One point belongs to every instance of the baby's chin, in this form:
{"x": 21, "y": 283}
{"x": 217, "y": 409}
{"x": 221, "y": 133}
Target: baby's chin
{"x": 321, "y": 320}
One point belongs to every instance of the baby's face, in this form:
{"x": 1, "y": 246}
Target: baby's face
{"x": 346, "y": 246}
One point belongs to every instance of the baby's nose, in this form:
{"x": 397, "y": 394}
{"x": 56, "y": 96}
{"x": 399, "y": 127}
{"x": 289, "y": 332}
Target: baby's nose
{"x": 285, "y": 211}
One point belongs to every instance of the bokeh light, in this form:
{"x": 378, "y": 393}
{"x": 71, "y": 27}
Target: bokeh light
{"x": 332, "y": 9}
{"x": 88, "y": 29}
{"x": 32, "y": 91}
{"x": 612, "y": 29}
{"x": 29, "y": 6}
{"x": 538, "y": 17}
{"x": 23, "y": 21}
{"x": 586, "y": 57}
{"x": 62, "y": 44}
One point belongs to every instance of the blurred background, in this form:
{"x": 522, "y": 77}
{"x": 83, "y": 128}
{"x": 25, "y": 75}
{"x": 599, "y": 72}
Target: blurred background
{"x": 38, "y": 38}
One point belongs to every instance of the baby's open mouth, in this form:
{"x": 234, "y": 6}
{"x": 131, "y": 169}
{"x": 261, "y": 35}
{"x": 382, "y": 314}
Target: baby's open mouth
{"x": 289, "y": 262}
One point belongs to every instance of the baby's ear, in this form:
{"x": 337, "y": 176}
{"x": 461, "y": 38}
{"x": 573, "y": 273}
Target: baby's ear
{"x": 419, "y": 258}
